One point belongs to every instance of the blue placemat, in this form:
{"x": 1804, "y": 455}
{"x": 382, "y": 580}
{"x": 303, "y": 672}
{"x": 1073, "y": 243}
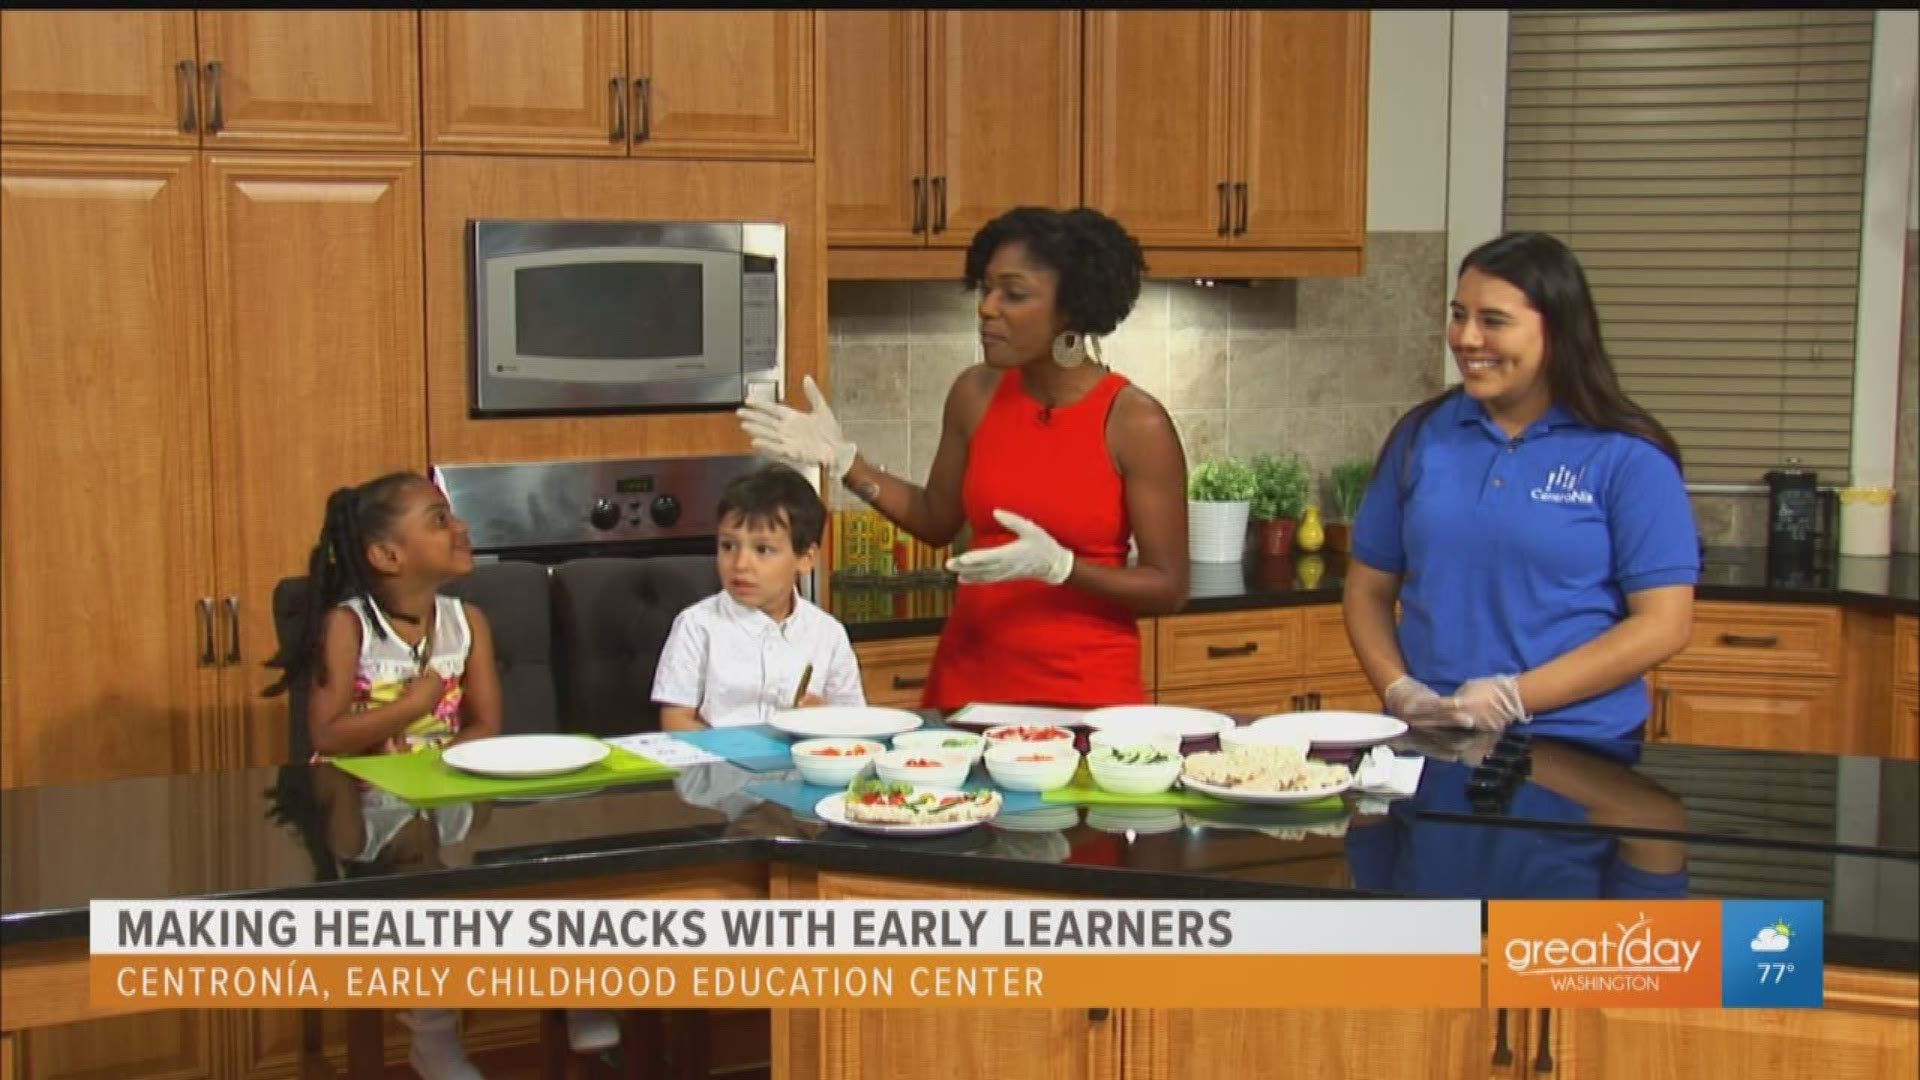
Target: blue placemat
{"x": 801, "y": 797}
{"x": 754, "y": 747}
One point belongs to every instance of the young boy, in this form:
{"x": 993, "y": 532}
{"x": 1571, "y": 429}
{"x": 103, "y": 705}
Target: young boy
{"x": 738, "y": 656}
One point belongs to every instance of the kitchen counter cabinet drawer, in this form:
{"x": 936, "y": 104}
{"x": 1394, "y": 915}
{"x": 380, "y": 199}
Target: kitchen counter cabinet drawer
{"x": 1767, "y": 639}
{"x": 1246, "y": 699}
{"x": 894, "y": 673}
{"x": 1328, "y": 648}
{"x": 1906, "y": 651}
{"x": 1229, "y": 647}
{"x": 1758, "y": 712}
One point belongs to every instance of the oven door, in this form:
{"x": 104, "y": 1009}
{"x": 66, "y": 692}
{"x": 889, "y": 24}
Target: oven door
{"x": 613, "y": 328}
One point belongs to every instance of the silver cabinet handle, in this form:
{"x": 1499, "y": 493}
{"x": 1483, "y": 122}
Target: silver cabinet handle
{"x": 1225, "y": 191}
{"x": 643, "y": 107}
{"x": 919, "y": 204}
{"x": 940, "y": 204}
{"x": 216, "y": 116}
{"x": 617, "y": 90}
{"x": 1240, "y": 229}
{"x": 233, "y": 628}
{"x": 205, "y": 606}
{"x": 189, "y": 119}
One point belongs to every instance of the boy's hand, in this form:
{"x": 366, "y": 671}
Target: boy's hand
{"x": 813, "y": 701}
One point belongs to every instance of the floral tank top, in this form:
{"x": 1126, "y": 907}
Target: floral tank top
{"x": 387, "y": 664}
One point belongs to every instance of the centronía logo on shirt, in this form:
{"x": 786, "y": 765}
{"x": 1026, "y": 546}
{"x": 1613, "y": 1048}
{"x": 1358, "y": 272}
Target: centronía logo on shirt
{"x": 1563, "y": 486}
{"x": 1604, "y": 953}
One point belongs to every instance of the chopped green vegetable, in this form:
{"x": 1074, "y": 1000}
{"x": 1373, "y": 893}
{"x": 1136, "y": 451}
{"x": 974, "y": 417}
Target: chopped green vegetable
{"x": 1133, "y": 755}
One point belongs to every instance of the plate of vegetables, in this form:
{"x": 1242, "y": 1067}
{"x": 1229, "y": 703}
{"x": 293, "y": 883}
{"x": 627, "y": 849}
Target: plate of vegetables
{"x": 899, "y": 809}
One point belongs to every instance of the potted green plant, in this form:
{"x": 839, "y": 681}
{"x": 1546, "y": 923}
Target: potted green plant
{"x": 1346, "y": 484}
{"x": 1219, "y": 495}
{"x": 1280, "y": 494}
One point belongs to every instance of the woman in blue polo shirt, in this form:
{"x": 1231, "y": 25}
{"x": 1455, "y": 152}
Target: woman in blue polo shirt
{"x": 1531, "y": 522}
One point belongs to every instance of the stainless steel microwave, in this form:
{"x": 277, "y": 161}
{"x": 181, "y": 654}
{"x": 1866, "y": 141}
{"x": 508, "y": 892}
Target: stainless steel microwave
{"x": 620, "y": 316}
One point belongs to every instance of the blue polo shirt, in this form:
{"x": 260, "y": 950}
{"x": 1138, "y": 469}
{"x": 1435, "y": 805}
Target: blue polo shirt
{"x": 1512, "y": 552}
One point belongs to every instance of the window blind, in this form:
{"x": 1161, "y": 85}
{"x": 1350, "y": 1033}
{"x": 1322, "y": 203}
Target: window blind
{"x": 1707, "y": 167}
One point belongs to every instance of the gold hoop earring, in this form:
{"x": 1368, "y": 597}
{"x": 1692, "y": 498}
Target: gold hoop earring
{"x": 1070, "y": 349}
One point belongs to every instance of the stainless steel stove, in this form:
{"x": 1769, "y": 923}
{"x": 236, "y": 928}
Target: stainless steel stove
{"x": 552, "y": 511}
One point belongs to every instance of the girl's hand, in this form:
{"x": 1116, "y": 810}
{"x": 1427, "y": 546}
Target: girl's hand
{"x": 424, "y": 692}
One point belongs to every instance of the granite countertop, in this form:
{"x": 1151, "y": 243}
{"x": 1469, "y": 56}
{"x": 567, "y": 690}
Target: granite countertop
{"x": 877, "y": 609}
{"x": 1533, "y": 819}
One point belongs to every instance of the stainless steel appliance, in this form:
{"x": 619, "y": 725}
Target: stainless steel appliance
{"x": 622, "y": 316}
{"x": 1802, "y": 518}
{"x": 552, "y": 511}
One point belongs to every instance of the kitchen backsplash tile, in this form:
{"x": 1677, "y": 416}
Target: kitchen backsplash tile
{"x": 1320, "y": 367}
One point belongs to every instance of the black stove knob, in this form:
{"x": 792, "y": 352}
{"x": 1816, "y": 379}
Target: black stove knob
{"x": 605, "y": 514}
{"x": 665, "y": 510}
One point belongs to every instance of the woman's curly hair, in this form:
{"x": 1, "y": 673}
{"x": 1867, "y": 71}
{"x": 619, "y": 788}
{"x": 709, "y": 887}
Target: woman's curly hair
{"x": 1100, "y": 264}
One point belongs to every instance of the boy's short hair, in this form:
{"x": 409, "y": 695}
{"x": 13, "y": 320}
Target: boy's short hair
{"x": 776, "y": 496}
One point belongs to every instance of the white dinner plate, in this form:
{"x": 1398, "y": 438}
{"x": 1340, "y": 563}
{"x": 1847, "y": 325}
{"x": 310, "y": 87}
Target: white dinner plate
{"x": 1163, "y": 719}
{"x": 1336, "y": 730}
{"x": 525, "y": 756}
{"x": 833, "y": 811}
{"x": 984, "y": 714}
{"x": 1265, "y": 798}
{"x": 844, "y": 722}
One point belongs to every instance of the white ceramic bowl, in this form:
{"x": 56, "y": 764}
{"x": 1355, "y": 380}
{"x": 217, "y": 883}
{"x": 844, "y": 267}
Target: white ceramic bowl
{"x": 1121, "y": 779}
{"x": 972, "y": 743}
{"x": 950, "y": 772}
{"x": 1004, "y": 735}
{"x": 1271, "y": 736}
{"x": 1122, "y": 737}
{"x": 1144, "y": 820}
{"x": 834, "y": 770}
{"x": 1007, "y": 770}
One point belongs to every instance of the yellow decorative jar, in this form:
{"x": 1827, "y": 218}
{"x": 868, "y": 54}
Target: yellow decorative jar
{"x": 1311, "y": 534}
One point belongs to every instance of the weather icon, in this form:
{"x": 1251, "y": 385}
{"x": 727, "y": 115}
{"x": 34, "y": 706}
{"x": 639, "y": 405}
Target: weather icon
{"x": 1773, "y": 938}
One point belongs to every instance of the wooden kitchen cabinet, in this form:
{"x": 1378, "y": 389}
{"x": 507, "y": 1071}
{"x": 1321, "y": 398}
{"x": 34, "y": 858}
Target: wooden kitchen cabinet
{"x": 1759, "y": 712}
{"x": 106, "y": 592}
{"x": 332, "y": 79}
{"x": 1239, "y": 130}
{"x": 317, "y": 354}
{"x": 665, "y": 83}
{"x": 1866, "y": 1030}
{"x": 1904, "y": 730}
{"x": 1328, "y": 1044}
{"x": 198, "y": 347}
{"x": 936, "y": 122}
{"x": 893, "y": 673}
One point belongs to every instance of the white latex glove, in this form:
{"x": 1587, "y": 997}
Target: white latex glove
{"x": 1489, "y": 704}
{"x": 1415, "y": 702}
{"x": 810, "y": 438}
{"x": 1033, "y": 554}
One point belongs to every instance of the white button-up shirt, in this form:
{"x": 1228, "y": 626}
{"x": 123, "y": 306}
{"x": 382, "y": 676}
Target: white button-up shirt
{"x": 738, "y": 666}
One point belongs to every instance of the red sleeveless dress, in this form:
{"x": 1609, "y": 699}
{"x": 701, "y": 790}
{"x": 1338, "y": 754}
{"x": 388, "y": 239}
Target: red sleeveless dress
{"x": 1027, "y": 642}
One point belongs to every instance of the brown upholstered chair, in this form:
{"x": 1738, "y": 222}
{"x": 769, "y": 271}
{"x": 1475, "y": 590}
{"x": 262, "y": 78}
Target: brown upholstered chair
{"x": 613, "y": 616}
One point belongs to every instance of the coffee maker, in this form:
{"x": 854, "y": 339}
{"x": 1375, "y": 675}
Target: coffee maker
{"x": 1801, "y": 521}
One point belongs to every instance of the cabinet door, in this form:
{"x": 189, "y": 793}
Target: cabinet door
{"x": 1305, "y": 169}
{"x": 104, "y": 479}
{"x": 319, "y": 377}
{"x": 1350, "y": 692}
{"x": 525, "y": 82}
{"x": 894, "y": 673}
{"x": 722, "y": 84}
{"x": 1904, "y": 739}
{"x": 1003, "y": 116}
{"x": 1252, "y": 700}
{"x": 1735, "y": 1044}
{"x": 873, "y": 135}
{"x": 1758, "y": 712}
{"x": 1156, "y": 115}
{"x": 346, "y": 80}
{"x": 97, "y": 77}
{"x": 171, "y": 1045}
{"x": 1408, "y": 1044}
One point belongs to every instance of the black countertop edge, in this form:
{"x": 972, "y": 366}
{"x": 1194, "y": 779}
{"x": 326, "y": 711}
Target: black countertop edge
{"x": 1876, "y": 603}
{"x": 1724, "y": 840}
{"x": 1847, "y": 950}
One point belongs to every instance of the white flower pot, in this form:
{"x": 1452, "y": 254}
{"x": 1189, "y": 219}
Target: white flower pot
{"x": 1217, "y": 531}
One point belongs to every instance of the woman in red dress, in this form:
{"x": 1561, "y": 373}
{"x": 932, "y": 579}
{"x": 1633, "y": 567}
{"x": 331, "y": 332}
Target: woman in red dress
{"x": 1055, "y": 462}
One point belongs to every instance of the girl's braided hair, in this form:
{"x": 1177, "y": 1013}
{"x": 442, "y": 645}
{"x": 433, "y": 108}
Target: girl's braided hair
{"x": 338, "y": 569}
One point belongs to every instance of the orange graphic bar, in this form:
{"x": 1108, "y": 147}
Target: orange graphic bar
{"x": 1603, "y": 953}
{"x": 797, "y": 981}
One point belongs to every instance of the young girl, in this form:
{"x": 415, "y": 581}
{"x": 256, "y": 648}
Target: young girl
{"x": 393, "y": 667}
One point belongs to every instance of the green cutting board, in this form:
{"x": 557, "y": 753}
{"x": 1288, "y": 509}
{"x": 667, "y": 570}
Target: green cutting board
{"x": 423, "y": 780}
